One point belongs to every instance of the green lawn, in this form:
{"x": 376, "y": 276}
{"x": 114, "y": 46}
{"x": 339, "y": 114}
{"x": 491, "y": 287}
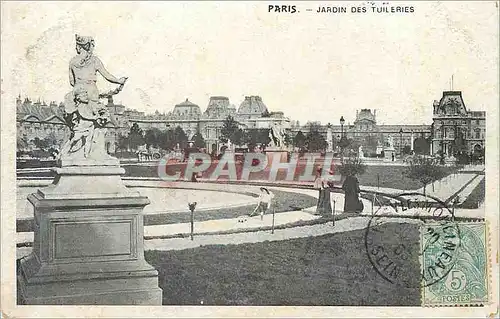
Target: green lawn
{"x": 476, "y": 197}
{"x": 390, "y": 176}
{"x": 326, "y": 270}
{"x": 284, "y": 202}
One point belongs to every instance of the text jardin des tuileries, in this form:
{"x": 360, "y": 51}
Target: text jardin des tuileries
{"x": 365, "y": 9}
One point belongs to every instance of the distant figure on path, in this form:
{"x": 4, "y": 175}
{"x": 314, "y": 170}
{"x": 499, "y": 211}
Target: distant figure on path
{"x": 351, "y": 198}
{"x": 264, "y": 204}
{"x": 324, "y": 206}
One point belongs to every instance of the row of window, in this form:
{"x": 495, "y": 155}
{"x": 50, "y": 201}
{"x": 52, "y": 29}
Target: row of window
{"x": 450, "y": 132}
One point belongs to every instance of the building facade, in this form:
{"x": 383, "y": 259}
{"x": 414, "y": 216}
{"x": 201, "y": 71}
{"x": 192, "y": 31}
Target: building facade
{"x": 365, "y": 131}
{"x": 42, "y": 120}
{"x": 454, "y": 128}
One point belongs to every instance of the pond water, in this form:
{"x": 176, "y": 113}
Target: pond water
{"x": 163, "y": 200}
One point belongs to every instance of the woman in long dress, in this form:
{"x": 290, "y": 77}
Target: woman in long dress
{"x": 324, "y": 206}
{"x": 351, "y": 194}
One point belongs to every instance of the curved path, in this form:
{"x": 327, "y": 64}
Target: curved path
{"x": 344, "y": 225}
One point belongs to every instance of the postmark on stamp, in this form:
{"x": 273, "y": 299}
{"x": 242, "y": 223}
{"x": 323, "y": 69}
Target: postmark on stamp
{"x": 467, "y": 281}
{"x": 451, "y": 255}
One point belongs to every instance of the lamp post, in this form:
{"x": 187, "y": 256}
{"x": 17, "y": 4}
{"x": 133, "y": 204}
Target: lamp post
{"x": 342, "y": 121}
{"x": 400, "y": 142}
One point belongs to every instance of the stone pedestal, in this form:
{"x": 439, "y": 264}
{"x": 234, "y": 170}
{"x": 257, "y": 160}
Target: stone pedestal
{"x": 88, "y": 247}
{"x": 388, "y": 153}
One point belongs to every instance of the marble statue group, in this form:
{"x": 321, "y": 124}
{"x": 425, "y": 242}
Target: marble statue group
{"x": 85, "y": 114}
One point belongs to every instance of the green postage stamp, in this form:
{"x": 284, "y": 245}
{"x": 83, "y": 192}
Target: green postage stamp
{"x": 454, "y": 264}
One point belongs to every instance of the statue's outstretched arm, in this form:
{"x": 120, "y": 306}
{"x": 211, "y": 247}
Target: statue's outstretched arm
{"x": 108, "y": 76}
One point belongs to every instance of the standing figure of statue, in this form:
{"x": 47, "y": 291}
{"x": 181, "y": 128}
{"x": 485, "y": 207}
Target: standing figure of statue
{"x": 390, "y": 142}
{"x": 276, "y": 135}
{"x": 84, "y": 113}
{"x": 361, "y": 154}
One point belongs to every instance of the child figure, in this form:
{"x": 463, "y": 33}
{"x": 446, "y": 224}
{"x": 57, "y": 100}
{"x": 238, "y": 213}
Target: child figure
{"x": 264, "y": 202}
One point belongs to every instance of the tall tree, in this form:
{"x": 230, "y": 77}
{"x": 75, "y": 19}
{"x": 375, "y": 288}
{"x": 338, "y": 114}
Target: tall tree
{"x": 135, "y": 136}
{"x": 424, "y": 170}
{"x": 252, "y": 137}
{"x": 180, "y": 137}
{"x": 166, "y": 139}
{"x": 299, "y": 140}
{"x": 238, "y": 137}
{"x": 229, "y": 128}
{"x": 314, "y": 140}
{"x": 198, "y": 140}
{"x": 152, "y": 137}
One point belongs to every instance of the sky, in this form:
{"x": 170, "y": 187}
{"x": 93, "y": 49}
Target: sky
{"x": 311, "y": 66}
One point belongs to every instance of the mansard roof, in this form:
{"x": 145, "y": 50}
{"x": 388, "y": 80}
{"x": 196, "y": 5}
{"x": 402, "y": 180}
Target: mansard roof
{"x": 451, "y": 103}
{"x": 252, "y": 105}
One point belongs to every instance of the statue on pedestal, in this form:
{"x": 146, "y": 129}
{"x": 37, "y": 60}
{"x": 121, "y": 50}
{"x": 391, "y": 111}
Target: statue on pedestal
{"x": 277, "y": 136}
{"x": 85, "y": 114}
{"x": 361, "y": 154}
{"x": 96, "y": 257}
{"x": 390, "y": 143}
{"x": 329, "y": 138}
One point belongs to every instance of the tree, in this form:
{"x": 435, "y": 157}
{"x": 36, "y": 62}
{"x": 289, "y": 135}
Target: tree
{"x": 40, "y": 144}
{"x": 135, "y": 137}
{"x": 252, "y": 137}
{"x": 314, "y": 140}
{"x": 122, "y": 142}
{"x": 166, "y": 139}
{"x": 370, "y": 143}
{"x": 199, "y": 141}
{"x": 180, "y": 137}
{"x": 421, "y": 146}
{"x": 424, "y": 170}
{"x": 51, "y": 140}
{"x": 238, "y": 137}
{"x": 406, "y": 149}
{"x": 229, "y": 128}
{"x": 352, "y": 166}
{"x": 299, "y": 140}
{"x": 152, "y": 137}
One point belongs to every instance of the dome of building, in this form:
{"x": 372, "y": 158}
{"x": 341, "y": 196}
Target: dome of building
{"x": 252, "y": 105}
{"x": 186, "y": 109}
{"x": 218, "y": 107}
{"x": 365, "y": 114}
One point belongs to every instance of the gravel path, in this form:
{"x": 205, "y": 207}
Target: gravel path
{"x": 348, "y": 224}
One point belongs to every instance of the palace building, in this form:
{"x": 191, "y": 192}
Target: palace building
{"x": 42, "y": 120}
{"x": 454, "y": 129}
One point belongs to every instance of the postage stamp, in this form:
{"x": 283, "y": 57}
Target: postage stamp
{"x": 466, "y": 281}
